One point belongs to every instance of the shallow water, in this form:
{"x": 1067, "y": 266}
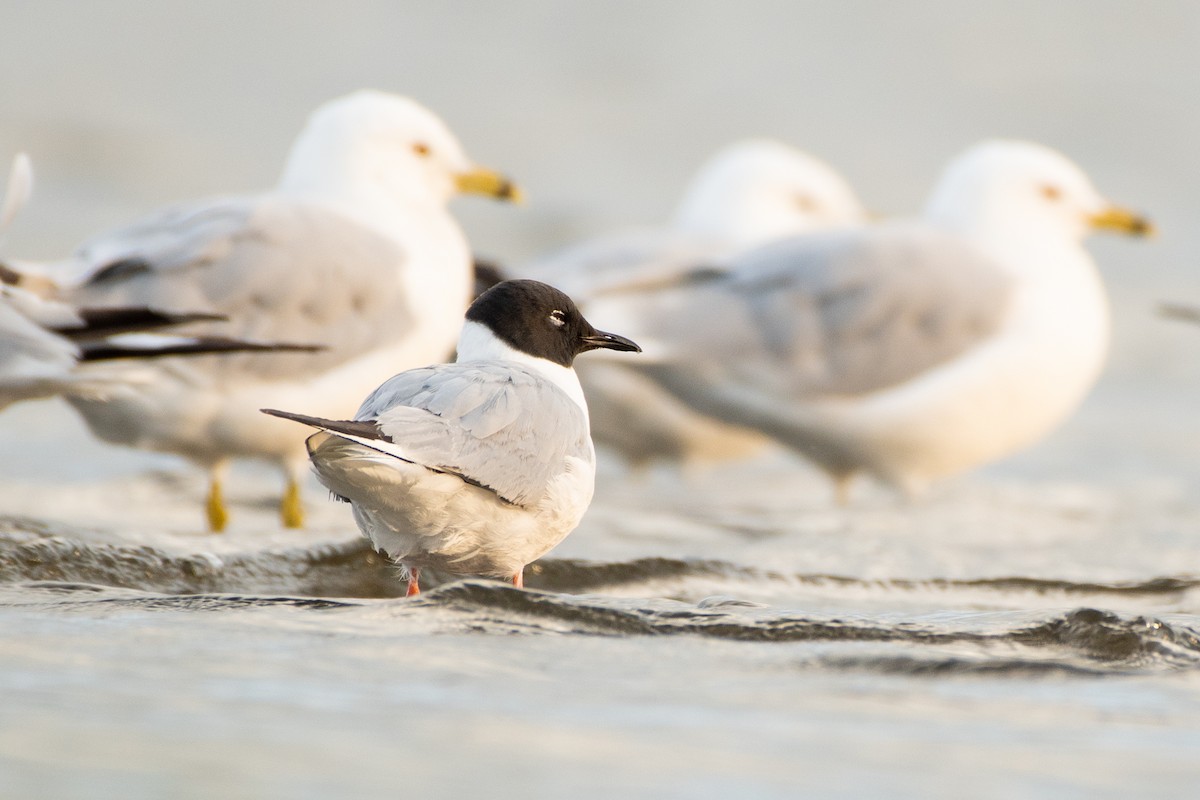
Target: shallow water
{"x": 1032, "y": 630}
{"x": 999, "y": 640}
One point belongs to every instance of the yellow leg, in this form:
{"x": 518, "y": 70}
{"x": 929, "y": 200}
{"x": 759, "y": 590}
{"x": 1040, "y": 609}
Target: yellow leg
{"x": 218, "y": 515}
{"x": 292, "y": 509}
{"x": 841, "y": 488}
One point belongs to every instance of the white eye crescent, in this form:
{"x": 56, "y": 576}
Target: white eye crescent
{"x": 558, "y": 318}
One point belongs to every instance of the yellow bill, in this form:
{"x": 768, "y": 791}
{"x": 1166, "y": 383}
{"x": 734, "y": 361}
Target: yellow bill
{"x": 1122, "y": 221}
{"x": 488, "y": 183}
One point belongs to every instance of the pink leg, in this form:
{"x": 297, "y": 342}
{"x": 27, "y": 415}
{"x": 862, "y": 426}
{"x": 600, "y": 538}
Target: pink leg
{"x": 414, "y": 582}
{"x": 519, "y": 579}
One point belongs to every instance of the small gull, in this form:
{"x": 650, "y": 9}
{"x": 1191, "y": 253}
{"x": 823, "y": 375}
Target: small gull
{"x": 354, "y": 249}
{"x": 480, "y": 466}
{"x": 748, "y": 193}
{"x": 909, "y": 351}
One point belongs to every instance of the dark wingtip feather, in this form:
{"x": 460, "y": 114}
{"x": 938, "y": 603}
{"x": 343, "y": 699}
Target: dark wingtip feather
{"x": 304, "y": 419}
{"x": 130, "y": 319}
{"x": 364, "y": 429}
{"x": 105, "y": 350}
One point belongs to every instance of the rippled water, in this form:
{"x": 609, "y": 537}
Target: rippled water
{"x": 790, "y": 649}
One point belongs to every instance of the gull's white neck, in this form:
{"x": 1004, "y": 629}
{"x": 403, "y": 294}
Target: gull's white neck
{"x": 478, "y": 343}
{"x": 374, "y": 207}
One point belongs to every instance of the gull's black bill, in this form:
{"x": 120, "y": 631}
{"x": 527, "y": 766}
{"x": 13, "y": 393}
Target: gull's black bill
{"x": 609, "y": 341}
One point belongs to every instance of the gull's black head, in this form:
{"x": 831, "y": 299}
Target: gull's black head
{"x": 541, "y": 321}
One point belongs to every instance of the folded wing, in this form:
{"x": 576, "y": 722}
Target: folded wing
{"x": 824, "y": 315}
{"x": 278, "y": 269}
{"x": 500, "y": 427}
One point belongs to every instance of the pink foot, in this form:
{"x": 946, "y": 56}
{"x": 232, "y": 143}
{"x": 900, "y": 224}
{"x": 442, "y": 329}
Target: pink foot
{"x": 414, "y": 582}
{"x": 519, "y": 579}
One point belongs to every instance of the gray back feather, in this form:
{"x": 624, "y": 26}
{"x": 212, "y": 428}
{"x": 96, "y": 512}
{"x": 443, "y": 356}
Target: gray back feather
{"x": 503, "y": 426}
{"x": 832, "y": 314}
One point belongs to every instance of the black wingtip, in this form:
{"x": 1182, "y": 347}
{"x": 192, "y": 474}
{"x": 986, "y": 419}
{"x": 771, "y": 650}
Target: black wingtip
{"x": 106, "y": 350}
{"x": 98, "y": 322}
{"x": 222, "y": 344}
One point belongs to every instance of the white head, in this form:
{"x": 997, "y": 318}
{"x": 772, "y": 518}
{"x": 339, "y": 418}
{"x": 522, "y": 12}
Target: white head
{"x": 370, "y": 145}
{"x": 1010, "y": 190}
{"x": 757, "y": 190}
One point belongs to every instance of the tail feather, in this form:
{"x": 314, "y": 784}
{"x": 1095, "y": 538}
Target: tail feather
{"x": 363, "y": 429}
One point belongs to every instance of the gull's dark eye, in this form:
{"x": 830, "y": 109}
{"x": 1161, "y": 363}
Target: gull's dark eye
{"x": 1051, "y": 192}
{"x": 558, "y": 318}
{"x": 421, "y": 149}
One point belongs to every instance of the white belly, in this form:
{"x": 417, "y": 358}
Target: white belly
{"x": 426, "y": 519}
{"x": 992, "y": 401}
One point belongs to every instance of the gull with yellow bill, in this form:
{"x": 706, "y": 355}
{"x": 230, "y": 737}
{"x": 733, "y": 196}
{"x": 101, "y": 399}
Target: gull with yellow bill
{"x": 910, "y": 351}
{"x": 353, "y": 250}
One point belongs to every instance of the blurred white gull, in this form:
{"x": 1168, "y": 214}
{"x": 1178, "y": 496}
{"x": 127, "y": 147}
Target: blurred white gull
{"x": 757, "y": 190}
{"x": 907, "y": 351}
{"x": 353, "y": 249}
{"x": 480, "y": 466}
{"x": 748, "y": 193}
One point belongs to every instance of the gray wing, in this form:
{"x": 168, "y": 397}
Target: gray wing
{"x": 498, "y": 425}
{"x": 279, "y": 269}
{"x": 831, "y": 314}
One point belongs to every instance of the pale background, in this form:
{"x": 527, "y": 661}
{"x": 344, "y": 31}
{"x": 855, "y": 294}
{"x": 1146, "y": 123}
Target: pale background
{"x": 602, "y": 110}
